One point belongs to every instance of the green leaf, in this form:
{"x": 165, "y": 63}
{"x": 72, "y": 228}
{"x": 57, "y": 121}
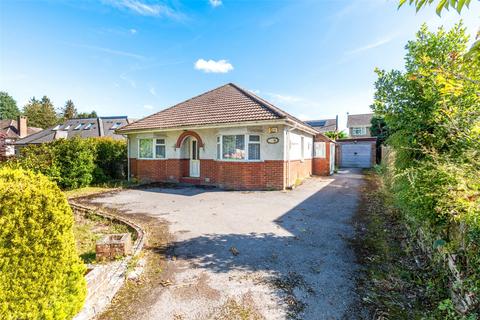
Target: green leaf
{"x": 439, "y": 243}
{"x": 440, "y": 7}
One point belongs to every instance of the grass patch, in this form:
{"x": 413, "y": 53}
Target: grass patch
{"x": 100, "y": 188}
{"x": 90, "y": 228}
{"x": 398, "y": 281}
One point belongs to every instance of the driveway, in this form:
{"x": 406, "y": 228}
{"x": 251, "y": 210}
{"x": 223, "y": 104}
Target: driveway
{"x": 272, "y": 255}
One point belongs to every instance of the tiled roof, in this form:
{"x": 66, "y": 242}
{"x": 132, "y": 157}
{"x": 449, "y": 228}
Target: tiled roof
{"x": 226, "y": 104}
{"x": 9, "y": 127}
{"x": 324, "y": 125}
{"x": 84, "y": 128}
{"x": 359, "y": 120}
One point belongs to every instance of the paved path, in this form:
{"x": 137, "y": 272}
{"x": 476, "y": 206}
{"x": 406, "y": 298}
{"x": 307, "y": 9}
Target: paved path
{"x": 271, "y": 254}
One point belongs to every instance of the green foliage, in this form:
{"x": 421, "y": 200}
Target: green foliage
{"x": 75, "y": 163}
{"x": 441, "y": 4}
{"x": 432, "y": 111}
{"x": 379, "y": 129}
{"x": 110, "y": 160}
{"x": 40, "y": 113}
{"x": 41, "y": 275}
{"x": 86, "y": 115}
{"x": 8, "y": 107}
{"x": 335, "y": 135}
{"x": 69, "y": 111}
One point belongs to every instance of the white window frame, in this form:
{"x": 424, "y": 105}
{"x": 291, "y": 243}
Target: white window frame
{"x": 66, "y": 127}
{"x": 247, "y": 142}
{"x": 302, "y": 148}
{"x": 363, "y": 131}
{"x": 154, "y": 145}
{"x": 164, "y": 144}
{"x": 247, "y": 151}
{"x": 320, "y": 149}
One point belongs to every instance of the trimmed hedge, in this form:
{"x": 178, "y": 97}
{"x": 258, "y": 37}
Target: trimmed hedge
{"x": 41, "y": 274}
{"x": 75, "y": 163}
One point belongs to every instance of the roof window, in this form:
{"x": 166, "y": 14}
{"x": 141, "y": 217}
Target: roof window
{"x": 78, "y": 126}
{"x": 88, "y": 126}
{"x": 116, "y": 125}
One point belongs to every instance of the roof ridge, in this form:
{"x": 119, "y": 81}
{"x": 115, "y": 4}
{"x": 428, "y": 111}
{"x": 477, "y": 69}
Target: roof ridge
{"x": 168, "y": 108}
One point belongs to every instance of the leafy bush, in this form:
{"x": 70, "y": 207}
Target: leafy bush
{"x": 75, "y": 163}
{"x": 432, "y": 111}
{"x": 110, "y": 160}
{"x": 41, "y": 275}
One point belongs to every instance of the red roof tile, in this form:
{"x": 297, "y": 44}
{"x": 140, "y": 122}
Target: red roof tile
{"x": 226, "y": 104}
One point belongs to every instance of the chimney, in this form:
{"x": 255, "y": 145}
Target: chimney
{"x": 22, "y": 126}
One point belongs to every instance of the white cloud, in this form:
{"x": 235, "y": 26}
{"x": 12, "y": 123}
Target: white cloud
{"x": 148, "y": 107}
{"x": 215, "y": 3}
{"x": 145, "y": 9}
{"x": 153, "y": 92}
{"x": 372, "y": 45}
{"x": 212, "y": 66}
{"x": 133, "y": 31}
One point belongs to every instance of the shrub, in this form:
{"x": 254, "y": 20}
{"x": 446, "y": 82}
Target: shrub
{"x": 111, "y": 155}
{"x": 41, "y": 275}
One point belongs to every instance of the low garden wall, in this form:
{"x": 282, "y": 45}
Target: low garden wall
{"x": 104, "y": 280}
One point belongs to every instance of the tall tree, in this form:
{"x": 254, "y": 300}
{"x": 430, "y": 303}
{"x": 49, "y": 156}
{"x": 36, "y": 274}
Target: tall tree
{"x": 8, "y": 107}
{"x": 440, "y": 4}
{"x": 85, "y": 115}
{"x": 69, "y": 111}
{"x": 40, "y": 113}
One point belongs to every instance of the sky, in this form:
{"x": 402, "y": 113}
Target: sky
{"x": 313, "y": 58}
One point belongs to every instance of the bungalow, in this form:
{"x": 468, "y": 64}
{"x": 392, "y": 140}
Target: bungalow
{"x": 226, "y": 137}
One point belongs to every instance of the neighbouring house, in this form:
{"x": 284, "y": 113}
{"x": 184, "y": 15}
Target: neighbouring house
{"x": 227, "y": 137}
{"x": 359, "y": 125}
{"x": 11, "y": 131}
{"x": 325, "y": 125}
{"x": 83, "y": 128}
{"x": 359, "y": 150}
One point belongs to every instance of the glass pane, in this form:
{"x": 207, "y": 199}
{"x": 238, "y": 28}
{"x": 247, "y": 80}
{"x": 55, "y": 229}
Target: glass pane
{"x": 218, "y": 150}
{"x": 160, "y": 141}
{"x": 146, "y": 148}
{"x": 160, "y": 151}
{"x": 234, "y": 147}
{"x": 254, "y": 151}
{"x": 254, "y": 138}
{"x": 194, "y": 150}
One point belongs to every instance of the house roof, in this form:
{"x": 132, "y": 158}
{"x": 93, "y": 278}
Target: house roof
{"x": 361, "y": 120}
{"x": 84, "y": 128}
{"x": 10, "y": 129}
{"x": 323, "y": 125}
{"x": 226, "y": 104}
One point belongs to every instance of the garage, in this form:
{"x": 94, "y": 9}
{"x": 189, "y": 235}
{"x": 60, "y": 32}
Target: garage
{"x": 357, "y": 153}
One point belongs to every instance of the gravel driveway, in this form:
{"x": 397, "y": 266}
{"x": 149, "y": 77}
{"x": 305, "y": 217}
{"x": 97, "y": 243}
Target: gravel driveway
{"x": 266, "y": 255}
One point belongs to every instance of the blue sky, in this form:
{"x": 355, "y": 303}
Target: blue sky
{"x": 314, "y": 59}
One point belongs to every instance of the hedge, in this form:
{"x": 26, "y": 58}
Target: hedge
{"x": 41, "y": 274}
{"x": 75, "y": 163}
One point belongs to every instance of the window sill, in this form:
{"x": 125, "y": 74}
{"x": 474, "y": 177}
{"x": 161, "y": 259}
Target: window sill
{"x": 234, "y": 160}
{"x": 152, "y": 159}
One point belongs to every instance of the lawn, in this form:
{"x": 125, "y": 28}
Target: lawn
{"x": 90, "y": 228}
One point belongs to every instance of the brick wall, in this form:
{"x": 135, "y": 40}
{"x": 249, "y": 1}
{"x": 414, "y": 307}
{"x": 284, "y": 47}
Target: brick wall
{"x": 262, "y": 175}
{"x": 321, "y": 166}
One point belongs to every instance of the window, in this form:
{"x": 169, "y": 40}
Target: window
{"x": 88, "y": 126}
{"x": 145, "y": 148}
{"x": 116, "y": 126}
{"x": 219, "y": 148}
{"x": 233, "y": 147}
{"x": 253, "y": 147}
{"x": 360, "y": 131}
{"x": 56, "y": 127}
{"x": 78, "y": 126}
{"x": 66, "y": 127}
{"x": 160, "y": 148}
{"x": 320, "y": 149}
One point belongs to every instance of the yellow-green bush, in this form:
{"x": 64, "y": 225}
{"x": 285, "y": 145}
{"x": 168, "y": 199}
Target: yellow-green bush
{"x": 41, "y": 275}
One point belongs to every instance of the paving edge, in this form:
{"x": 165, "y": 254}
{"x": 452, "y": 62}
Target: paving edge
{"x": 104, "y": 280}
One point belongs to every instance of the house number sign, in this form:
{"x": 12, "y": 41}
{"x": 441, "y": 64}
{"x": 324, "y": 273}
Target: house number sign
{"x": 273, "y": 140}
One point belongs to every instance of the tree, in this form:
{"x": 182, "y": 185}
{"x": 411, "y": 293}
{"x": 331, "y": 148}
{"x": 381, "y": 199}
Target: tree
{"x": 441, "y": 4}
{"x": 41, "y": 274}
{"x": 85, "y": 115}
{"x": 335, "y": 135}
{"x": 379, "y": 129}
{"x": 8, "y": 107}
{"x": 40, "y": 113}
{"x": 69, "y": 111}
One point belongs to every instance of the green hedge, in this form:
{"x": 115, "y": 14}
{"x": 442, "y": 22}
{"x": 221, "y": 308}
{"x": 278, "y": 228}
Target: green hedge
{"x": 41, "y": 275}
{"x": 75, "y": 163}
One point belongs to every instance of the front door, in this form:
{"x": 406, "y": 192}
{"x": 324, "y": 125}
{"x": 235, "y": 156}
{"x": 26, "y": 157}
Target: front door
{"x": 194, "y": 159}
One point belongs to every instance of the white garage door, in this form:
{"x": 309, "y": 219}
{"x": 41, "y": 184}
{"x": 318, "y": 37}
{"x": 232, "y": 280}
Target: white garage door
{"x": 356, "y": 155}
